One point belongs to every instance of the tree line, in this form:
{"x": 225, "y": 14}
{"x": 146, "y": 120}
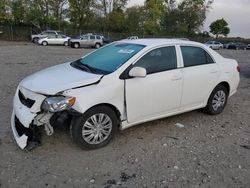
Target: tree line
{"x": 154, "y": 17}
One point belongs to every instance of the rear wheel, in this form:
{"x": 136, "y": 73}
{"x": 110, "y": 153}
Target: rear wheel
{"x": 95, "y": 128}
{"x": 97, "y": 45}
{"x": 217, "y": 100}
{"x": 65, "y": 43}
{"x": 44, "y": 43}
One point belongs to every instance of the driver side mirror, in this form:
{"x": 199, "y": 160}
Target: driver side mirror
{"x": 138, "y": 72}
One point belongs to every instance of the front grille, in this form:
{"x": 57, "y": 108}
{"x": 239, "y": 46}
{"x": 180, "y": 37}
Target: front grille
{"x": 25, "y": 101}
{"x": 20, "y": 128}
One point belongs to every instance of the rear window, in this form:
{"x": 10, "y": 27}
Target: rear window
{"x": 193, "y": 56}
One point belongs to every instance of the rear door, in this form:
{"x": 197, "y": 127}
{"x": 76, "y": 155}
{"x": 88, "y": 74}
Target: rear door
{"x": 200, "y": 74}
{"x": 91, "y": 41}
{"x": 51, "y": 39}
{"x": 159, "y": 93}
{"x": 61, "y": 39}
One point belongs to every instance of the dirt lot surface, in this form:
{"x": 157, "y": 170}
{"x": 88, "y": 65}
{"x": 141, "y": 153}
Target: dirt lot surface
{"x": 210, "y": 151}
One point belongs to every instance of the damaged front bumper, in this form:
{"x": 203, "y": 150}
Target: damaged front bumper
{"x": 26, "y": 106}
{"x": 26, "y": 138}
{"x": 20, "y": 139}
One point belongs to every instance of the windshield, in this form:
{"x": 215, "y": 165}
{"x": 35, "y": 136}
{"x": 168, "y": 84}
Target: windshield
{"x": 110, "y": 58}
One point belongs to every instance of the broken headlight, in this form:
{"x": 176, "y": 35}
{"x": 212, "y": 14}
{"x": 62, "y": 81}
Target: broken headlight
{"x": 59, "y": 103}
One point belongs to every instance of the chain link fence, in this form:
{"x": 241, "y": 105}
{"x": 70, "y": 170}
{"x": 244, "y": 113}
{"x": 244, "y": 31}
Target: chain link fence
{"x": 23, "y": 33}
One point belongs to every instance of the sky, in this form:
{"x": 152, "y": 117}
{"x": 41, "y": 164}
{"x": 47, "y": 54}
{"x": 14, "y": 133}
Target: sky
{"x": 235, "y": 12}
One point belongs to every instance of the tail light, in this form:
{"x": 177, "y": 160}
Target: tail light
{"x": 238, "y": 68}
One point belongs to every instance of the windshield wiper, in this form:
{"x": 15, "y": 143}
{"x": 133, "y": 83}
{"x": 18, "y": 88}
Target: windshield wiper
{"x": 78, "y": 64}
{"x": 91, "y": 69}
{"x": 82, "y": 66}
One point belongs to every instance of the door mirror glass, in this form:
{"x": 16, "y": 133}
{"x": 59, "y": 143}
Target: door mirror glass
{"x": 138, "y": 72}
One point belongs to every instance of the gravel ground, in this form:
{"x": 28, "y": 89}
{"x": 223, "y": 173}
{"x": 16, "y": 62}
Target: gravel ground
{"x": 210, "y": 151}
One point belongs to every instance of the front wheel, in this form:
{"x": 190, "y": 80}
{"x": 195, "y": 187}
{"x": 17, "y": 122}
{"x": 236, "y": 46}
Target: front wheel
{"x": 44, "y": 43}
{"x": 76, "y": 45}
{"x": 95, "y": 128}
{"x": 35, "y": 40}
{"x": 217, "y": 100}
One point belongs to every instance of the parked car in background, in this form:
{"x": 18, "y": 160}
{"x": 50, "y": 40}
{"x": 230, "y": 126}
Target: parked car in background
{"x": 88, "y": 40}
{"x": 123, "y": 84}
{"x": 215, "y": 45}
{"x": 54, "y": 40}
{"x": 225, "y": 45}
{"x": 237, "y": 46}
{"x": 106, "y": 40}
{"x": 35, "y": 38}
{"x": 248, "y": 46}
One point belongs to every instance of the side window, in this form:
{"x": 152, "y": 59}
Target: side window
{"x": 84, "y": 37}
{"x": 61, "y": 36}
{"x": 52, "y": 36}
{"x": 209, "y": 58}
{"x": 51, "y": 33}
{"x": 98, "y": 37}
{"x": 158, "y": 60}
{"x": 193, "y": 56}
{"x": 92, "y": 37}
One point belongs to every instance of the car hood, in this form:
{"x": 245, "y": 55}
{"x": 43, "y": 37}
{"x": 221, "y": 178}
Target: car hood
{"x": 58, "y": 78}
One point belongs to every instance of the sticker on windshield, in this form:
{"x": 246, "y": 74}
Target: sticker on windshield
{"x": 125, "y": 51}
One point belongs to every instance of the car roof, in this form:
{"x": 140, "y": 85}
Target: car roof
{"x": 158, "y": 42}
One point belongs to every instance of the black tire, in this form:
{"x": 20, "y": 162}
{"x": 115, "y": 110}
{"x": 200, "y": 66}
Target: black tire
{"x": 66, "y": 43}
{"x": 77, "y": 126}
{"x": 35, "y": 40}
{"x": 44, "y": 43}
{"x": 76, "y": 45}
{"x": 97, "y": 45}
{"x": 209, "y": 108}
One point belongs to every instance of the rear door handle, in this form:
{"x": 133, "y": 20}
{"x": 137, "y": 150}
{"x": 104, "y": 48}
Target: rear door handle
{"x": 176, "y": 77}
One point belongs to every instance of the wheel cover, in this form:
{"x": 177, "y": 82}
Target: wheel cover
{"x": 219, "y": 100}
{"x": 97, "y": 128}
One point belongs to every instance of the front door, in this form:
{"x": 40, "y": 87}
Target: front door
{"x": 159, "y": 93}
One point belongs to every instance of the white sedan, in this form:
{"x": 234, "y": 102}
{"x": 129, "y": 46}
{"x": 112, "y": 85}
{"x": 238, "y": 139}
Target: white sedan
{"x": 214, "y": 45}
{"x": 120, "y": 85}
{"x": 54, "y": 40}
